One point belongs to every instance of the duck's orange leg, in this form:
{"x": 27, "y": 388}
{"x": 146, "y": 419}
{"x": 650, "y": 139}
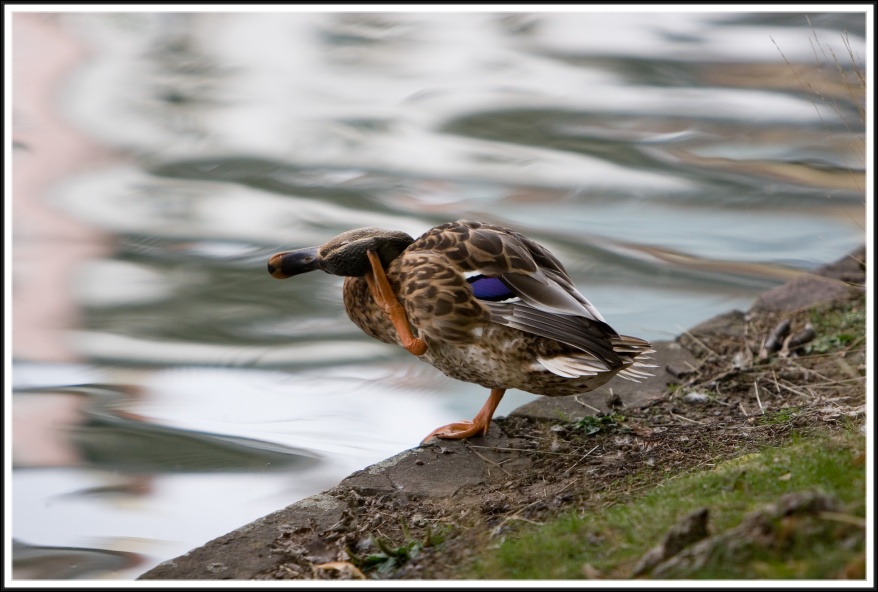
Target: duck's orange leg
{"x": 386, "y": 299}
{"x": 477, "y": 427}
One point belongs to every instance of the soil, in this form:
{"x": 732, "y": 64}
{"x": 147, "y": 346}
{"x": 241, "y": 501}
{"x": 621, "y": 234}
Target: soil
{"x": 742, "y": 393}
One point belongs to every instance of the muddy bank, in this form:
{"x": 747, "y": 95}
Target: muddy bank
{"x": 420, "y": 513}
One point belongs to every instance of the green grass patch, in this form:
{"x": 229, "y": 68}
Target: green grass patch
{"x": 389, "y": 556}
{"x": 837, "y": 329}
{"x": 611, "y": 540}
{"x": 593, "y": 424}
{"x": 779, "y": 417}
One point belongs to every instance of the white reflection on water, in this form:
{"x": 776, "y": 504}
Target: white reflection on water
{"x": 351, "y": 417}
{"x": 125, "y": 200}
{"x": 121, "y": 348}
{"x": 176, "y": 514}
{"x": 106, "y": 282}
{"x": 336, "y": 411}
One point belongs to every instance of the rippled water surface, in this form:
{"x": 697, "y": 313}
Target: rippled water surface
{"x": 166, "y": 390}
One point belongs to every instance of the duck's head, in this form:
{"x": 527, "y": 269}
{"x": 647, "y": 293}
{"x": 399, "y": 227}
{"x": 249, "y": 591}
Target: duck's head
{"x": 345, "y": 255}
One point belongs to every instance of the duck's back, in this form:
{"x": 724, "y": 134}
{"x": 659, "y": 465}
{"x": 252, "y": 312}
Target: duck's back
{"x": 468, "y": 291}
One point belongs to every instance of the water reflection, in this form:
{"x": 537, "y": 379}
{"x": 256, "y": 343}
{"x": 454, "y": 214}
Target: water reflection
{"x": 166, "y": 390}
{"x": 34, "y": 562}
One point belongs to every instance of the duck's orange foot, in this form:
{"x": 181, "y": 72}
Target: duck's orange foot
{"x": 477, "y": 427}
{"x": 458, "y": 431}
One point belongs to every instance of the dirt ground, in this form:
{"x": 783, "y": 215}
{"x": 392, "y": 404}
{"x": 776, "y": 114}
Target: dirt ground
{"x": 745, "y": 392}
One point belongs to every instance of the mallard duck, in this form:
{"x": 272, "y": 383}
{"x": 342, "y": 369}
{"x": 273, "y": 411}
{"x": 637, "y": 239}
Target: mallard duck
{"x": 481, "y": 303}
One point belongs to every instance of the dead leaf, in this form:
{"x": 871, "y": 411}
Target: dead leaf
{"x": 346, "y": 568}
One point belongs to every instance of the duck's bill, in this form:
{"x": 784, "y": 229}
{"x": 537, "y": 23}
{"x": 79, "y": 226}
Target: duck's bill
{"x": 290, "y": 263}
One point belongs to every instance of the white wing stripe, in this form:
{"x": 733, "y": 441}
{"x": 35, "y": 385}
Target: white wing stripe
{"x": 573, "y": 367}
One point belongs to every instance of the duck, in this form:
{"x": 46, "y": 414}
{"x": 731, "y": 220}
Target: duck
{"x": 481, "y": 303}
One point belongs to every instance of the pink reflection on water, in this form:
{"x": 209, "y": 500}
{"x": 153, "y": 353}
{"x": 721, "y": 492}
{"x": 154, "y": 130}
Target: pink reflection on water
{"x": 40, "y": 426}
{"x": 48, "y": 245}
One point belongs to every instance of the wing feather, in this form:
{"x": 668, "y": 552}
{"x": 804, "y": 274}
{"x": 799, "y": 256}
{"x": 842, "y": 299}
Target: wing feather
{"x": 587, "y": 335}
{"x": 550, "y": 305}
{"x": 542, "y": 301}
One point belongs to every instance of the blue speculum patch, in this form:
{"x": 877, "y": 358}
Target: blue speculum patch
{"x": 490, "y": 288}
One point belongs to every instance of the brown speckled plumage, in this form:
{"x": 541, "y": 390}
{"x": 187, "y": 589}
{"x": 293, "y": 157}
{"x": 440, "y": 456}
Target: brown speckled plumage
{"x": 481, "y": 303}
{"x": 428, "y": 278}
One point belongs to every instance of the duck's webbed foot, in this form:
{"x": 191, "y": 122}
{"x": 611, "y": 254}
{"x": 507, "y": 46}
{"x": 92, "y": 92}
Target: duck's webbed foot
{"x": 386, "y": 299}
{"x": 465, "y": 428}
{"x": 457, "y": 431}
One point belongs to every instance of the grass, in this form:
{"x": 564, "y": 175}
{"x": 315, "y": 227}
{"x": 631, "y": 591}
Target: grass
{"x": 778, "y": 417}
{"x": 593, "y": 424}
{"x": 837, "y": 329}
{"x": 610, "y": 541}
{"x": 388, "y": 556}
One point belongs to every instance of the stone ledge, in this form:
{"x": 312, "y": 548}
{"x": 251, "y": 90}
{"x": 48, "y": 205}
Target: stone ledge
{"x": 441, "y": 470}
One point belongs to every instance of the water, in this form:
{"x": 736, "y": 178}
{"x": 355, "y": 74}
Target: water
{"x": 166, "y": 390}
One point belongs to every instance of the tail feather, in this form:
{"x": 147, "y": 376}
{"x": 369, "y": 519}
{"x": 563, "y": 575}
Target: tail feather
{"x": 625, "y": 344}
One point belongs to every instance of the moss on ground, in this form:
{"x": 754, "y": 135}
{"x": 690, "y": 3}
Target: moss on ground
{"x": 609, "y": 544}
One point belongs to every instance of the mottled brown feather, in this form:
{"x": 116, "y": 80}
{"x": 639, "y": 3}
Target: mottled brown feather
{"x": 496, "y": 345}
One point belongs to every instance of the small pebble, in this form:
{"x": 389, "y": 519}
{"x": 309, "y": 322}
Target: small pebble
{"x": 741, "y": 360}
{"x": 696, "y": 398}
{"x": 418, "y": 520}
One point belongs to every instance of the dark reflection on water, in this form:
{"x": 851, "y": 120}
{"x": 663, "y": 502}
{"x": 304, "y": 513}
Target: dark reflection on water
{"x": 678, "y": 164}
{"x": 125, "y": 443}
{"x": 33, "y": 562}
{"x": 109, "y": 438}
